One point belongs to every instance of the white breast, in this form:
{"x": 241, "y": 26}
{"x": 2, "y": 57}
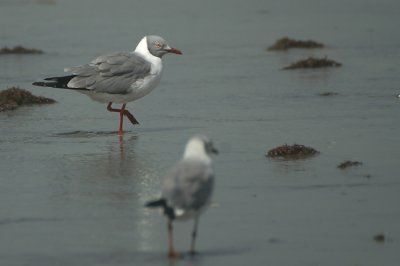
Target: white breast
{"x": 145, "y": 86}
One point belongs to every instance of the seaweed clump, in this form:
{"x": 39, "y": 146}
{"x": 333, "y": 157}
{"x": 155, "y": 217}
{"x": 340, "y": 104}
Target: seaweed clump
{"x": 19, "y": 50}
{"x": 328, "y": 93}
{"x": 313, "y": 62}
{"x": 380, "y": 238}
{"x": 14, "y": 97}
{"x": 347, "y": 164}
{"x": 295, "y": 151}
{"x": 286, "y": 43}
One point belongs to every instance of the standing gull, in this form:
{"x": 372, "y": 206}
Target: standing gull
{"x": 187, "y": 187}
{"x": 120, "y": 77}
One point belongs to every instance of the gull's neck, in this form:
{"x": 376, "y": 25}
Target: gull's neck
{"x": 195, "y": 150}
{"x": 143, "y": 50}
{"x": 155, "y": 61}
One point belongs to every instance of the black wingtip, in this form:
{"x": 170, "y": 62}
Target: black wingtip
{"x": 38, "y": 84}
{"x": 55, "y": 82}
{"x": 156, "y": 203}
{"x": 162, "y": 203}
{"x": 68, "y": 78}
{"x": 58, "y": 82}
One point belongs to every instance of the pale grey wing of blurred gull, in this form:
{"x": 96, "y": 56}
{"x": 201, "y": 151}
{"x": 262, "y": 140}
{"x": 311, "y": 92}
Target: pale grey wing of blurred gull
{"x": 118, "y": 77}
{"x": 188, "y": 187}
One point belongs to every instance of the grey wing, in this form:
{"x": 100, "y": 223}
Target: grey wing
{"x": 188, "y": 185}
{"x": 114, "y": 73}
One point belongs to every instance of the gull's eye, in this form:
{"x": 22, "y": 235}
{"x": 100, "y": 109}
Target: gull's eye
{"x": 158, "y": 45}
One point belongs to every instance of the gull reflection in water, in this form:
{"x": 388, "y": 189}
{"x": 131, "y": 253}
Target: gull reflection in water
{"x": 107, "y": 180}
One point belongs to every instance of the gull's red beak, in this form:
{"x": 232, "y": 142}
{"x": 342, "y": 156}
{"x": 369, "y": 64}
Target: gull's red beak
{"x": 173, "y": 50}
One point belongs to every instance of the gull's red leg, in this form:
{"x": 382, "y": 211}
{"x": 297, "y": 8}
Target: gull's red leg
{"x": 131, "y": 117}
{"x": 122, "y": 112}
{"x": 171, "y": 251}
{"x": 194, "y": 235}
{"x": 121, "y": 120}
{"x": 109, "y": 108}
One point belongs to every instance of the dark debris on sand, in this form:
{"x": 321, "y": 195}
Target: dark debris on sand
{"x": 328, "y": 93}
{"x": 347, "y": 164}
{"x": 286, "y": 43}
{"x": 14, "y": 97}
{"x": 313, "y": 62}
{"x": 19, "y": 50}
{"x": 295, "y": 151}
{"x": 380, "y": 238}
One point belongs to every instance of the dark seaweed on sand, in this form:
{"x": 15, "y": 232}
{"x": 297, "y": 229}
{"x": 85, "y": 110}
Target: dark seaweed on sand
{"x": 14, "y": 97}
{"x": 347, "y": 164}
{"x": 328, "y": 93}
{"x": 286, "y": 43}
{"x": 19, "y": 50}
{"x": 295, "y": 151}
{"x": 313, "y": 62}
{"x": 380, "y": 238}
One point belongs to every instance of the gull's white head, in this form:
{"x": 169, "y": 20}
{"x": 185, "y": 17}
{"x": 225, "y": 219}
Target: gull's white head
{"x": 199, "y": 147}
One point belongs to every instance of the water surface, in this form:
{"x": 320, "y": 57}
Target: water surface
{"x": 72, "y": 191}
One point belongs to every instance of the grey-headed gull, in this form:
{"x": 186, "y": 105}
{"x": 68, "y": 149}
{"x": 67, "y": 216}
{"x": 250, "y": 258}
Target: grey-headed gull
{"x": 120, "y": 77}
{"x": 188, "y": 187}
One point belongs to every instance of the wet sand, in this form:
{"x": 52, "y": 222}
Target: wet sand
{"x": 72, "y": 191}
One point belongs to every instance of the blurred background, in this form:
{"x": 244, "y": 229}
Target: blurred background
{"x": 72, "y": 191}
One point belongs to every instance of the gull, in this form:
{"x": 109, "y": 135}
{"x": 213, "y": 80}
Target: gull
{"x": 119, "y": 77}
{"x": 187, "y": 188}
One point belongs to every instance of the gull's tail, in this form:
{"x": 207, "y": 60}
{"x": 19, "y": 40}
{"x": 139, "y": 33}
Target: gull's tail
{"x": 57, "y": 82}
{"x": 162, "y": 203}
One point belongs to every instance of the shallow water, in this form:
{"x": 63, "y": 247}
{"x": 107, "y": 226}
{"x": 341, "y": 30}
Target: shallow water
{"x": 72, "y": 191}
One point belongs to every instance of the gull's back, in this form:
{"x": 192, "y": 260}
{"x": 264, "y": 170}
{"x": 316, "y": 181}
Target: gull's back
{"x": 114, "y": 73}
{"x": 188, "y": 187}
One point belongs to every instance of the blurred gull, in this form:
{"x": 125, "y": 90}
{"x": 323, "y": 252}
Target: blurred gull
{"x": 119, "y": 77}
{"x": 187, "y": 187}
